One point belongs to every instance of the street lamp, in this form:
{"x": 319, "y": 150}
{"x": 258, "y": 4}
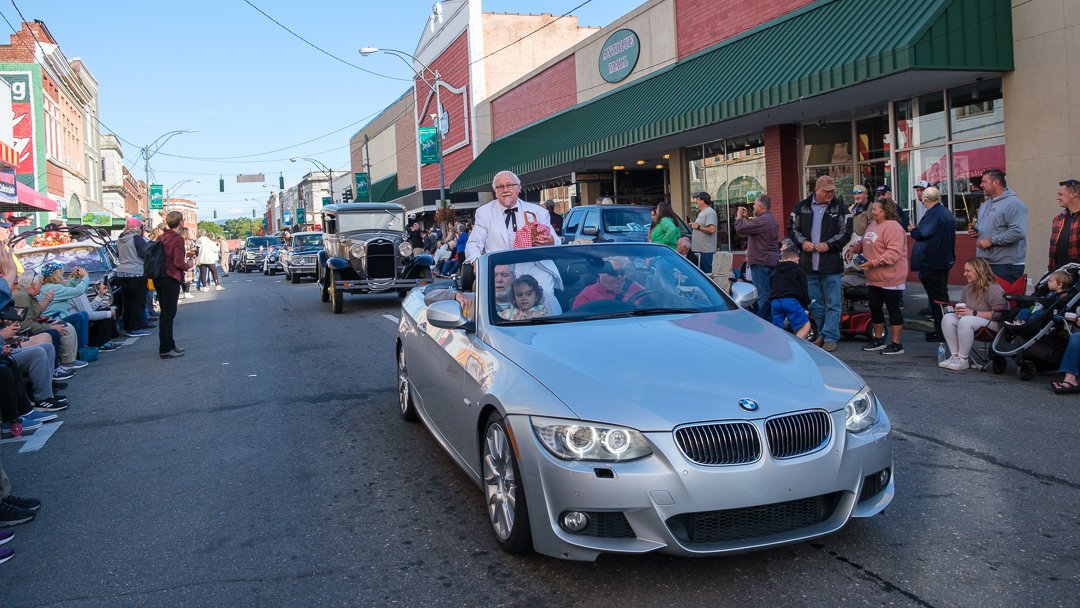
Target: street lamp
{"x": 437, "y": 117}
{"x": 150, "y": 150}
{"x": 329, "y": 176}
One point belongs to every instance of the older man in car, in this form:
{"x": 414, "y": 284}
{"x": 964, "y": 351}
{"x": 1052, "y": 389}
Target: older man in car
{"x": 611, "y": 284}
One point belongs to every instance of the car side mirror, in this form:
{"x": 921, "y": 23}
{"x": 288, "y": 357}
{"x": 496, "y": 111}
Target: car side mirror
{"x": 590, "y": 231}
{"x": 446, "y": 314}
{"x": 744, "y": 294}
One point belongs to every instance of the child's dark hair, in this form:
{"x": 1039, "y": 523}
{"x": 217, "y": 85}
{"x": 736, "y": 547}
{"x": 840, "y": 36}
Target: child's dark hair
{"x": 1064, "y": 279}
{"x": 527, "y": 279}
{"x": 789, "y": 253}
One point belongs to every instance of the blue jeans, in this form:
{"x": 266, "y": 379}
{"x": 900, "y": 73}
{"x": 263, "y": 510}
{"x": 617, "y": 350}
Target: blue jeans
{"x": 1070, "y": 362}
{"x": 81, "y": 322}
{"x": 705, "y": 261}
{"x": 761, "y": 276}
{"x": 825, "y": 292}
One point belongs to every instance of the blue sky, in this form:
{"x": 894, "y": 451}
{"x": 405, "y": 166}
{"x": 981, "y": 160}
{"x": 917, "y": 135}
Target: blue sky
{"x": 243, "y": 83}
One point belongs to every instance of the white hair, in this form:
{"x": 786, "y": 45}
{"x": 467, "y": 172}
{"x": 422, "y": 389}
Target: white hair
{"x": 517, "y": 180}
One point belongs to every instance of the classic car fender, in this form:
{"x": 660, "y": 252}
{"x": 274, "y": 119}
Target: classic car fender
{"x": 414, "y": 268}
{"x": 337, "y": 263}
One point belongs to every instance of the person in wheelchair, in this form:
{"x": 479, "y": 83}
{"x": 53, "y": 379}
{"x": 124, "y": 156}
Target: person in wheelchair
{"x": 611, "y": 284}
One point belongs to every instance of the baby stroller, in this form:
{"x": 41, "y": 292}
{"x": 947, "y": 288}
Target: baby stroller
{"x": 1035, "y": 333}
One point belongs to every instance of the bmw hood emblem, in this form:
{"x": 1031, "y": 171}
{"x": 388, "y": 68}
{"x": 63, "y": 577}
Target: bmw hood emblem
{"x": 748, "y": 404}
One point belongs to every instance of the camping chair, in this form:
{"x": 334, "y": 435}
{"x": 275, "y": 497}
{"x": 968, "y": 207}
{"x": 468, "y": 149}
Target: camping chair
{"x": 982, "y": 358}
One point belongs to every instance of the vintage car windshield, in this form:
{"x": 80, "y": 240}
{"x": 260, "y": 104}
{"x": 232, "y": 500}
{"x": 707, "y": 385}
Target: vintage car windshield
{"x": 627, "y": 219}
{"x": 576, "y": 283}
{"x": 89, "y": 257}
{"x": 262, "y": 241}
{"x": 371, "y": 220}
{"x": 307, "y": 240}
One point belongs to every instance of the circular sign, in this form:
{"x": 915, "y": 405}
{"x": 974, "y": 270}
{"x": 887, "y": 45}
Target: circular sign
{"x": 619, "y": 55}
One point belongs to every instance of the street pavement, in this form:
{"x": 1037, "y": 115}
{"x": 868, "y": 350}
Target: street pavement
{"x": 270, "y": 467}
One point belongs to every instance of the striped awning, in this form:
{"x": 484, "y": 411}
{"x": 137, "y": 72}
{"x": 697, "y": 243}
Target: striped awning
{"x": 8, "y": 155}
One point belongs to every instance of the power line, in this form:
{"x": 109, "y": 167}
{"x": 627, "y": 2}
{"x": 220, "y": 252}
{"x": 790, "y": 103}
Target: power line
{"x": 317, "y": 48}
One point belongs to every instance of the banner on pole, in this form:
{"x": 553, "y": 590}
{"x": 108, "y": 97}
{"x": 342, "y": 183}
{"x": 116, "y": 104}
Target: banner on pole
{"x": 361, "y": 186}
{"x": 429, "y": 145}
{"x": 156, "y": 197}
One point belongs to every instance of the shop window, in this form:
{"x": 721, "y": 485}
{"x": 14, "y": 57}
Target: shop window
{"x": 841, "y": 174}
{"x": 969, "y": 160}
{"x": 977, "y": 110}
{"x": 827, "y": 143}
{"x": 872, "y": 138}
{"x": 732, "y": 171}
{"x": 920, "y": 121}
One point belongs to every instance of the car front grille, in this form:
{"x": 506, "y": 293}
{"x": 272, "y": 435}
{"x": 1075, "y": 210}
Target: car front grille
{"x": 798, "y": 434}
{"x": 707, "y": 527}
{"x": 722, "y": 443}
{"x": 608, "y": 524}
{"x": 380, "y": 260}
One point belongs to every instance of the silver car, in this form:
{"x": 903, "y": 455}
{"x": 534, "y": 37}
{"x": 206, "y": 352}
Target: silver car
{"x": 612, "y": 399}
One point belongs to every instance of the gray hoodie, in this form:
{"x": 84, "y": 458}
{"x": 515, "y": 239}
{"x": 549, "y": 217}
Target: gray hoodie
{"x": 1003, "y": 220}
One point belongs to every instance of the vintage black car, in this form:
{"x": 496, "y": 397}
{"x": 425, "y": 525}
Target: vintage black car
{"x": 366, "y": 250}
{"x": 256, "y": 248}
{"x": 301, "y": 257}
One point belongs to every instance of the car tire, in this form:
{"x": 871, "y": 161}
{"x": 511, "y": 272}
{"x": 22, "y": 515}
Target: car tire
{"x": 271, "y": 271}
{"x": 504, "y": 494}
{"x": 405, "y": 401}
{"x": 294, "y": 278}
{"x": 337, "y": 296}
{"x": 324, "y": 293}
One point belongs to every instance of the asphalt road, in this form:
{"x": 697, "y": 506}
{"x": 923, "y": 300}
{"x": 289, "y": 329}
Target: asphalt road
{"x": 270, "y": 467}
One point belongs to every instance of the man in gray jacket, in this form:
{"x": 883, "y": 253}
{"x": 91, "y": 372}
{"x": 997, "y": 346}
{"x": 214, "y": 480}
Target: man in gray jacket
{"x": 1001, "y": 231}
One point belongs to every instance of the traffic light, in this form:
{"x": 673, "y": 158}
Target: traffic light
{"x": 221, "y": 184}
{"x": 215, "y": 214}
{"x": 347, "y": 195}
{"x": 281, "y": 182}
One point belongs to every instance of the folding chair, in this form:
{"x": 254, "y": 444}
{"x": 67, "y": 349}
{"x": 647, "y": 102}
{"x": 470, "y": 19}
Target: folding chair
{"x": 983, "y": 357}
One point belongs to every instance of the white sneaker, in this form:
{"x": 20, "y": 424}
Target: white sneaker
{"x": 219, "y": 288}
{"x": 945, "y": 364}
{"x": 959, "y": 364}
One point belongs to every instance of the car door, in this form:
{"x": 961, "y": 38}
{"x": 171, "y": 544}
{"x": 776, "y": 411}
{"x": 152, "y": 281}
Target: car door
{"x": 590, "y": 227}
{"x": 436, "y": 368}
{"x": 571, "y": 225}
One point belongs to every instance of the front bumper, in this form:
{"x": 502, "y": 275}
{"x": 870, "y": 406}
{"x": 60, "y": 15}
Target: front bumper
{"x": 302, "y": 269}
{"x": 377, "y": 285}
{"x": 657, "y": 495}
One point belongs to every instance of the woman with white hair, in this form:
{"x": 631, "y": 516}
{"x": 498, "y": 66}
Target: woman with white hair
{"x": 209, "y": 252}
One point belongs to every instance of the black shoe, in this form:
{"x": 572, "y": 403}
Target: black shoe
{"x": 59, "y": 398}
{"x": 894, "y": 348}
{"x": 13, "y": 516}
{"x": 29, "y": 504}
{"x": 50, "y": 405}
{"x": 875, "y": 344}
{"x": 172, "y": 354}
{"x": 934, "y": 337}
{"x": 58, "y": 384}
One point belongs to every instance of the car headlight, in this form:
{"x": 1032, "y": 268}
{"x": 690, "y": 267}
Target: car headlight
{"x": 575, "y": 440}
{"x": 358, "y": 250}
{"x": 861, "y": 411}
{"x": 405, "y": 249}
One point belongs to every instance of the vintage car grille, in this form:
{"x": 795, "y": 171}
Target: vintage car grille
{"x": 380, "y": 260}
{"x": 752, "y": 522}
{"x": 798, "y": 434}
{"x": 719, "y": 443}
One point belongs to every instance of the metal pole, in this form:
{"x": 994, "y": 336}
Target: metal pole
{"x": 367, "y": 164}
{"x": 438, "y": 129}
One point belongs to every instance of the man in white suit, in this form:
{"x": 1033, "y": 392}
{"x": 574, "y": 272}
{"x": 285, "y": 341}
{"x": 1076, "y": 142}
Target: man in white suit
{"x": 497, "y": 222}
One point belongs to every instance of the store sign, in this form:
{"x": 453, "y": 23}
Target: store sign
{"x": 581, "y": 178}
{"x": 22, "y": 120}
{"x": 156, "y": 196}
{"x": 429, "y": 145}
{"x": 101, "y": 220}
{"x": 619, "y": 55}
{"x": 8, "y": 192}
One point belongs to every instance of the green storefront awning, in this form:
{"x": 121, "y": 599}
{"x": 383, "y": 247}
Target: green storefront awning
{"x": 825, "y": 46}
{"x": 386, "y": 189}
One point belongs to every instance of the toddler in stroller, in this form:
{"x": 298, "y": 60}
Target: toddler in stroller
{"x": 1035, "y": 333}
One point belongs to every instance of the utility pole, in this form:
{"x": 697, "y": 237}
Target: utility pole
{"x": 367, "y": 164}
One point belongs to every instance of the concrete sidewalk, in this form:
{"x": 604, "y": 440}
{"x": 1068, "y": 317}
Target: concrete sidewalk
{"x": 915, "y": 300}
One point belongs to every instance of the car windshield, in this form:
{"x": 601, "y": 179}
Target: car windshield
{"x": 303, "y": 241}
{"x": 627, "y": 219}
{"x": 371, "y": 220}
{"x": 89, "y": 257}
{"x": 577, "y": 283}
{"x": 262, "y": 241}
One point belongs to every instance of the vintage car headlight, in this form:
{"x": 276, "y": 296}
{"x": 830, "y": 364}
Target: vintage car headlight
{"x": 860, "y": 412}
{"x": 576, "y": 440}
{"x": 358, "y": 250}
{"x": 405, "y": 249}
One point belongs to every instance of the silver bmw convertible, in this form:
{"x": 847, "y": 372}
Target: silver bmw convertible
{"x": 612, "y": 399}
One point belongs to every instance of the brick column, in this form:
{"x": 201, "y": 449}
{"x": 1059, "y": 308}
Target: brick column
{"x": 782, "y": 177}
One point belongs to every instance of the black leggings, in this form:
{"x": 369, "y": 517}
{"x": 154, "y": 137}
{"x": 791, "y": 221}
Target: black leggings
{"x": 891, "y": 299}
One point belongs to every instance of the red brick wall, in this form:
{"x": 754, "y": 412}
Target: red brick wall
{"x": 18, "y": 48}
{"x": 550, "y": 91}
{"x": 54, "y": 181}
{"x": 703, "y": 23}
{"x": 782, "y": 178}
{"x": 453, "y": 68}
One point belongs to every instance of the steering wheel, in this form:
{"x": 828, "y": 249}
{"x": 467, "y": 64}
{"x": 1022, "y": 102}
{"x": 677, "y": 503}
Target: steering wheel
{"x": 641, "y": 294}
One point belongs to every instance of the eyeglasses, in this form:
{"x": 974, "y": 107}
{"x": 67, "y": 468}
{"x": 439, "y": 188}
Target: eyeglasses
{"x": 503, "y": 187}
{"x": 858, "y": 191}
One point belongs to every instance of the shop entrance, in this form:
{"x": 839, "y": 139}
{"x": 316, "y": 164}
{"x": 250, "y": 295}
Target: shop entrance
{"x": 640, "y": 186}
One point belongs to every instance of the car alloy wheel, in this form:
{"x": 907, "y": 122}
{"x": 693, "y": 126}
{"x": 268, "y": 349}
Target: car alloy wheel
{"x": 408, "y": 411}
{"x": 504, "y": 494}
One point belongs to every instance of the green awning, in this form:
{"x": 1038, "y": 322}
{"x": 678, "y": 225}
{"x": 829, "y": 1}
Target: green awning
{"x": 825, "y": 46}
{"x": 386, "y": 189}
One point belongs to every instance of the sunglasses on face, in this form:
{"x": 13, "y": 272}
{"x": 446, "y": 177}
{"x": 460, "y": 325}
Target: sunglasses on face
{"x": 858, "y": 191}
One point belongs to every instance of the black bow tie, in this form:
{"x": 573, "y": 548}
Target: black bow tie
{"x": 511, "y": 217}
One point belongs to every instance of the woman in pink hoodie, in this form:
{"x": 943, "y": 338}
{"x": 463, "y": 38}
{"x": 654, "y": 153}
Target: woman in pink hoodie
{"x": 884, "y": 247}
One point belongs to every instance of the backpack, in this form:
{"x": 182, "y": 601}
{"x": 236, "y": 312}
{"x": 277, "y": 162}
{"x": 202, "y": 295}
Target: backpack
{"x": 154, "y": 260}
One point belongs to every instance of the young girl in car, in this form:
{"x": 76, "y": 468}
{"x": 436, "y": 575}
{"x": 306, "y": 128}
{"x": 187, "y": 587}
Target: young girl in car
{"x": 526, "y": 303}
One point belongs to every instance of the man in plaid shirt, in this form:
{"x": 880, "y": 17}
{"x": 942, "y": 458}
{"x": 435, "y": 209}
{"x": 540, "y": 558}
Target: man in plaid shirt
{"x": 1065, "y": 230}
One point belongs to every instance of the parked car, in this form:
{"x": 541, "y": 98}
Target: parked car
{"x": 90, "y": 248}
{"x": 256, "y": 248}
{"x": 300, "y": 258}
{"x": 591, "y": 428}
{"x": 611, "y": 224}
{"x": 366, "y": 250}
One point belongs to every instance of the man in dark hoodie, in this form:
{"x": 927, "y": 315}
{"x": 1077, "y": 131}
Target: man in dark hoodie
{"x": 790, "y": 297}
